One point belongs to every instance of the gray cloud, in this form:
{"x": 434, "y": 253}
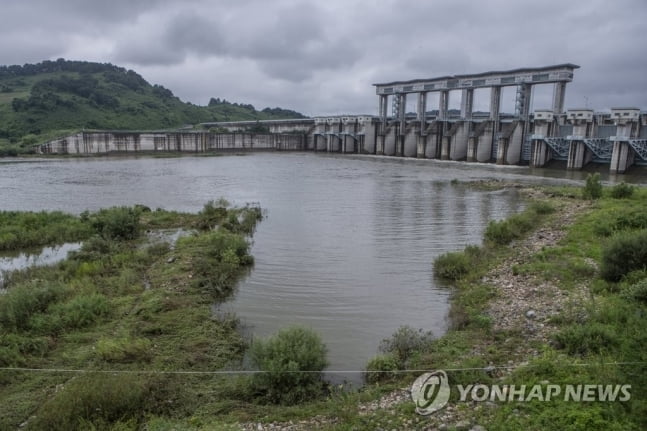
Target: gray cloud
{"x": 322, "y": 57}
{"x": 190, "y": 32}
{"x": 97, "y": 10}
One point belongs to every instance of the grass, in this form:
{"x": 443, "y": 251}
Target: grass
{"x": 518, "y": 225}
{"x": 123, "y": 305}
{"x": 457, "y": 265}
{"x": 169, "y": 326}
{"x": 609, "y": 329}
{"x": 21, "y": 230}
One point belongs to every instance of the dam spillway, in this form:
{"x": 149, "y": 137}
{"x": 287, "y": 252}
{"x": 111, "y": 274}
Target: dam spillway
{"x": 616, "y": 137}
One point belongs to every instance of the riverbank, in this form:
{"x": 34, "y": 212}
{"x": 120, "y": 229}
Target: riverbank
{"x": 535, "y": 302}
{"x": 123, "y": 328}
{"x": 536, "y": 311}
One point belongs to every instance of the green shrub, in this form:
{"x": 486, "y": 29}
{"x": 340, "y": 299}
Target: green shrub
{"x": 541, "y": 207}
{"x": 505, "y": 231}
{"x": 635, "y": 219}
{"x": 406, "y": 342}
{"x": 97, "y": 399}
{"x": 81, "y": 311}
{"x": 585, "y": 339}
{"x": 516, "y": 226}
{"x": 291, "y": 361}
{"x": 622, "y": 190}
{"x": 14, "y": 348}
{"x": 217, "y": 258}
{"x": 23, "y": 301}
{"x": 624, "y": 253}
{"x": 88, "y": 269}
{"x": 232, "y": 224}
{"x": 574, "y": 417}
{"x": 124, "y": 349}
{"x": 10, "y": 356}
{"x": 381, "y": 368}
{"x": 117, "y": 223}
{"x": 94, "y": 248}
{"x": 29, "y": 229}
{"x": 251, "y": 216}
{"x": 212, "y": 214}
{"x": 603, "y": 229}
{"x": 593, "y": 187}
{"x": 452, "y": 265}
{"x": 637, "y": 292}
{"x": 219, "y": 243}
{"x": 634, "y": 277}
{"x": 481, "y": 321}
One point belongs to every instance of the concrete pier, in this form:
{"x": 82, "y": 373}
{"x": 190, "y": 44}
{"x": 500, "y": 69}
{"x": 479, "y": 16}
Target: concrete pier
{"x": 627, "y": 121}
{"x": 622, "y": 157}
{"x": 582, "y": 121}
{"x": 544, "y": 126}
{"x": 479, "y": 144}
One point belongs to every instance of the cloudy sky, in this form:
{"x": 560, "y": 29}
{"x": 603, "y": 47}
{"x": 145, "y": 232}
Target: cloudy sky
{"x": 320, "y": 57}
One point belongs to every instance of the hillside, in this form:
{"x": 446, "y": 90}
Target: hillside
{"x": 41, "y": 101}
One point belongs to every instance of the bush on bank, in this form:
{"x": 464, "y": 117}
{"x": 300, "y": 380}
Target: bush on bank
{"x": 97, "y": 401}
{"x": 624, "y": 253}
{"x": 381, "y": 368}
{"x": 217, "y": 258}
{"x": 622, "y": 191}
{"x": 593, "y": 187}
{"x": 637, "y": 291}
{"x": 455, "y": 265}
{"x": 291, "y": 362}
{"x": 212, "y": 214}
{"x": 515, "y": 227}
{"x": 117, "y": 223}
{"x": 452, "y": 265}
{"x": 405, "y": 343}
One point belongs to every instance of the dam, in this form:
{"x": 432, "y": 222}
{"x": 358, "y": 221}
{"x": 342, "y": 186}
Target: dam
{"x": 616, "y": 137}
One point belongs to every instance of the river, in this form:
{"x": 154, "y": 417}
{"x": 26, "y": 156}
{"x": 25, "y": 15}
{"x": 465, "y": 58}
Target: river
{"x": 347, "y": 243}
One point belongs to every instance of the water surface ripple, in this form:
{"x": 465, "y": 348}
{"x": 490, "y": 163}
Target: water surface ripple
{"x": 347, "y": 244}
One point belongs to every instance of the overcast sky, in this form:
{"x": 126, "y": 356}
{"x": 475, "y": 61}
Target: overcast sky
{"x": 320, "y": 57}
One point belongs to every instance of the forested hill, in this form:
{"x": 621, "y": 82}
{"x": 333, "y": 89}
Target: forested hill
{"x": 40, "y": 101}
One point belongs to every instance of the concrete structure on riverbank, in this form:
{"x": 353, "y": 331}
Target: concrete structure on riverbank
{"x": 576, "y": 136}
{"x": 102, "y": 142}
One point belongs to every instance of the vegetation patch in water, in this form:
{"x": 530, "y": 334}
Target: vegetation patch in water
{"x": 23, "y": 230}
{"x": 121, "y": 305}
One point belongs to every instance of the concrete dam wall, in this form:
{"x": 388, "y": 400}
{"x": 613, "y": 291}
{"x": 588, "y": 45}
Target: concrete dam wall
{"x": 101, "y": 142}
{"x": 616, "y": 137}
